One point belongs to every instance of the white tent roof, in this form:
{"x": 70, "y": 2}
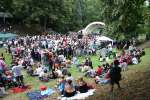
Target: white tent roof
{"x": 94, "y": 25}
{"x": 103, "y": 38}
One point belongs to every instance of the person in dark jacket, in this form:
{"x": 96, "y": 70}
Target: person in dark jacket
{"x": 115, "y": 75}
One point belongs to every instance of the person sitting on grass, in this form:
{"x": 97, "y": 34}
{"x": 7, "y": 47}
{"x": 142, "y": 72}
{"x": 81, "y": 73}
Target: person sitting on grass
{"x": 85, "y": 68}
{"x": 90, "y": 73}
{"x": 38, "y": 71}
{"x": 79, "y": 66}
{"x": 10, "y": 79}
{"x": 104, "y": 68}
{"x": 75, "y": 61}
{"x": 88, "y": 62}
{"x": 53, "y": 74}
{"x": 69, "y": 89}
{"x": 99, "y": 70}
{"x": 59, "y": 72}
{"x": 103, "y": 80}
{"x": 65, "y": 70}
{"x": 30, "y": 70}
{"x": 69, "y": 77}
{"x": 101, "y": 59}
{"x": 134, "y": 60}
{"x": 2, "y": 55}
{"x": 68, "y": 63}
{"x": 44, "y": 76}
{"x": 143, "y": 52}
{"x": 82, "y": 86}
{"x": 61, "y": 85}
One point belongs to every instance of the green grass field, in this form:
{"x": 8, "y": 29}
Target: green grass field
{"x": 35, "y": 83}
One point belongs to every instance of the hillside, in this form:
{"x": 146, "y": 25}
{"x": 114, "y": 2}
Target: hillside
{"x": 135, "y": 84}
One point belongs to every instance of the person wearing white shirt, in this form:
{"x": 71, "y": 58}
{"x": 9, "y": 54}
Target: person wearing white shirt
{"x": 18, "y": 74}
{"x": 59, "y": 72}
{"x": 135, "y": 61}
{"x": 69, "y": 77}
{"x": 38, "y": 71}
{"x": 75, "y": 60}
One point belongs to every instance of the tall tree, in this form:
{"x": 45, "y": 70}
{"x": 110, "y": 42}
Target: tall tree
{"x": 122, "y": 16}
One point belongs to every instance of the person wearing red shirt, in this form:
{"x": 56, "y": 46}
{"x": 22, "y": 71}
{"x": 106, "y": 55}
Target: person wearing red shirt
{"x": 99, "y": 70}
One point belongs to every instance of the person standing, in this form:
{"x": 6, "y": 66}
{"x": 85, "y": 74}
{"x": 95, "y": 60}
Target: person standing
{"x": 18, "y": 74}
{"x": 2, "y": 65}
{"x": 115, "y": 75}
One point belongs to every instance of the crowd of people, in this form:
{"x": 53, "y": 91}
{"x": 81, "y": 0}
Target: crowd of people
{"x": 50, "y": 57}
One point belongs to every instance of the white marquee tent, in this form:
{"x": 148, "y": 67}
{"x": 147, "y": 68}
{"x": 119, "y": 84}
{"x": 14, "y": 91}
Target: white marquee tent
{"x": 103, "y": 38}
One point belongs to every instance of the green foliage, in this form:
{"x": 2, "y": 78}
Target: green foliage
{"x": 126, "y": 17}
{"x": 122, "y": 16}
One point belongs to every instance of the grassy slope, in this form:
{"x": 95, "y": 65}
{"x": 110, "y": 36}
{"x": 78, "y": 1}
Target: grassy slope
{"x": 102, "y": 91}
{"x": 135, "y": 84}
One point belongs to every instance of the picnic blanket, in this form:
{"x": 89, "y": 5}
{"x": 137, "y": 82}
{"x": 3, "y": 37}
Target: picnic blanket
{"x": 49, "y": 91}
{"x": 40, "y": 95}
{"x": 79, "y": 96}
{"x": 20, "y": 89}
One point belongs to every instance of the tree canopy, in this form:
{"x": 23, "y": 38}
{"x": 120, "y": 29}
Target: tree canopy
{"x": 126, "y": 18}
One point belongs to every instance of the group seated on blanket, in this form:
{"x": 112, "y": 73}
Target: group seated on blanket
{"x": 68, "y": 87}
{"x": 43, "y": 73}
{"x": 12, "y": 77}
{"x": 7, "y": 81}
